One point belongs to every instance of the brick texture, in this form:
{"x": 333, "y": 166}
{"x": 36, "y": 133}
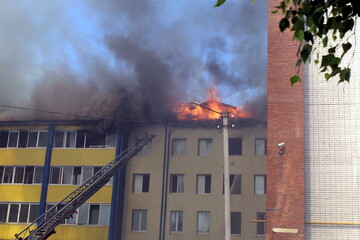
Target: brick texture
{"x": 285, "y": 124}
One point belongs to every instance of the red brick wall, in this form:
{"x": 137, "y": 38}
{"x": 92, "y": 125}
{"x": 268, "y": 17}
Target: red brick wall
{"x": 285, "y": 124}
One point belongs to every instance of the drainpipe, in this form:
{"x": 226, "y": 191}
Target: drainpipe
{"x": 118, "y": 192}
{"x": 46, "y": 173}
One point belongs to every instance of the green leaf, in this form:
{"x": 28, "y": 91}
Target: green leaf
{"x": 298, "y": 62}
{"x": 329, "y": 60}
{"x": 305, "y": 53}
{"x": 274, "y": 12}
{"x": 332, "y": 50}
{"x": 316, "y": 61}
{"x": 325, "y": 41}
{"x": 295, "y": 79}
{"x": 284, "y": 23}
{"x": 345, "y": 74}
{"x": 219, "y": 3}
{"x": 299, "y": 34}
{"x": 345, "y": 47}
{"x": 327, "y": 76}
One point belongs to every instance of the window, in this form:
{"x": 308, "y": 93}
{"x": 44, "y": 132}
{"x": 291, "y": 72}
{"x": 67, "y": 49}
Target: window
{"x": 176, "y": 183}
{"x": 34, "y": 211}
{"x": 76, "y": 176}
{"x": 235, "y": 184}
{"x": 203, "y": 222}
{"x": 87, "y": 173}
{"x": 235, "y": 146}
{"x": 24, "y": 213}
{"x": 83, "y": 214}
{"x": 95, "y": 140}
{"x": 104, "y": 215}
{"x": 111, "y": 139}
{"x": 178, "y": 146}
{"x": 141, "y": 183}
{"x": 260, "y": 184}
{"x": 65, "y": 139}
{"x": 145, "y": 150}
{"x": 203, "y": 184}
{"x": 13, "y": 139}
{"x": 3, "y": 212}
{"x": 13, "y": 214}
{"x": 4, "y": 135}
{"x": 260, "y": 226}
{"x": 139, "y": 218}
{"x": 38, "y": 174}
{"x": 29, "y": 175}
{"x": 235, "y": 222}
{"x": 260, "y": 146}
{"x": 37, "y": 139}
{"x": 55, "y": 175}
{"x": 8, "y": 175}
{"x": 1, "y": 174}
{"x": 19, "y": 175}
{"x": 80, "y": 139}
{"x": 176, "y": 221}
{"x": 205, "y": 146}
{"x": 94, "y": 214}
{"x": 67, "y": 175}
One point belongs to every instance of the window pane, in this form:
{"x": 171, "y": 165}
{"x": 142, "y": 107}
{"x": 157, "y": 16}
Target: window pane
{"x": 32, "y": 139}
{"x": 205, "y": 147}
{"x": 72, "y": 218}
{"x": 178, "y": 146}
{"x": 24, "y": 212}
{"x": 13, "y": 139}
{"x": 3, "y": 212}
{"x": 80, "y": 139}
{"x": 235, "y": 222}
{"x": 19, "y": 175}
{"x": 235, "y": 184}
{"x": 260, "y": 181}
{"x": 135, "y": 224}
{"x": 203, "y": 225}
{"x": 77, "y": 175}
{"x": 59, "y": 139}
{"x": 146, "y": 183}
{"x": 23, "y": 139}
{"x": 176, "y": 183}
{"x": 29, "y": 175}
{"x": 55, "y": 175}
{"x": 104, "y": 214}
{"x": 67, "y": 175}
{"x": 1, "y": 173}
{"x": 138, "y": 181}
{"x": 70, "y": 139}
{"x": 87, "y": 173}
{"x": 143, "y": 220}
{"x": 4, "y": 135}
{"x": 8, "y": 174}
{"x": 94, "y": 214}
{"x": 38, "y": 174}
{"x": 111, "y": 140}
{"x": 260, "y": 146}
{"x": 14, "y": 210}
{"x": 260, "y": 226}
{"x": 201, "y": 184}
{"x": 176, "y": 221}
{"x": 34, "y": 212}
{"x": 83, "y": 214}
{"x": 42, "y": 139}
{"x": 235, "y": 146}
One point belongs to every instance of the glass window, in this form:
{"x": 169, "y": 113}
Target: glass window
{"x": 59, "y": 139}
{"x": 203, "y": 184}
{"x": 260, "y": 184}
{"x": 203, "y": 222}
{"x": 55, "y": 175}
{"x": 3, "y": 212}
{"x": 80, "y": 139}
{"x": 235, "y": 222}
{"x": 67, "y": 175}
{"x": 38, "y": 174}
{"x": 13, "y": 214}
{"x": 4, "y": 135}
{"x": 260, "y": 226}
{"x": 13, "y": 139}
{"x": 19, "y": 175}
{"x": 176, "y": 221}
{"x": 139, "y": 219}
{"x": 94, "y": 214}
{"x": 34, "y": 212}
{"x": 95, "y": 140}
{"x": 87, "y": 173}
{"x": 29, "y": 175}
{"x": 104, "y": 214}
{"x": 23, "y": 139}
{"x": 8, "y": 174}
{"x": 141, "y": 183}
{"x": 178, "y": 146}
{"x": 111, "y": 139}
{"x": 235, "y": 184}
{"x": 24, "y": 212}
{"x": 235, "y": 146}
{"x": 32, "y": 140}
{"x": 205, "y": 146}
{"x": 145, "y": 150}
{"x": 260, "y": 146}
{"x": 43, "y": 139}
{"x": 83, "y": 214}
{"x": 1, "y": 174}
{"x": 77, "y": 175}
{"x": 70, "y": 139}
{"x": 176, "y": 183}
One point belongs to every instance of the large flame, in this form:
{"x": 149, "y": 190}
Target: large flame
{"x": 188, "y": 111}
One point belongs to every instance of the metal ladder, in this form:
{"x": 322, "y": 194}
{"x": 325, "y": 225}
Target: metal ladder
{"x": 44, "y": 225}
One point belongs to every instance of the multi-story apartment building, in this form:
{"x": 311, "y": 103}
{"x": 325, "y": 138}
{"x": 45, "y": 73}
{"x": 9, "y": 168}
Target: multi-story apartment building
{"x": 172, "y": 189}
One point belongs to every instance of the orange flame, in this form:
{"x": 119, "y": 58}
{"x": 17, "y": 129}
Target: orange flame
{"x": 188, "y": 111}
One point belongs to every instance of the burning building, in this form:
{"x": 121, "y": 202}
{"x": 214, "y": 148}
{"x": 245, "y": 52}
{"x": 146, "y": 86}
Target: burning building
{"x": 172, "y": 188}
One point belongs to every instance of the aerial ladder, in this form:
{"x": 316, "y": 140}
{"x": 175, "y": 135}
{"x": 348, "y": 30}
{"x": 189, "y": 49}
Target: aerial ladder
{"x": 44, "y": 226}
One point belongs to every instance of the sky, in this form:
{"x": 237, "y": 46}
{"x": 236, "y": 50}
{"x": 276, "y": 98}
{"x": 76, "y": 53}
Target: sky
{"x": 129, "y": 59}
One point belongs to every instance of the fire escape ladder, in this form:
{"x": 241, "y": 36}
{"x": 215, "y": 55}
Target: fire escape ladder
{"x": 44, "y": 225}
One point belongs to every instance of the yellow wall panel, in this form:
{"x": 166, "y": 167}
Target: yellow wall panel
{"x": 22, "y": 156}
{"x": 83, "y": 157}
{"x": 56, "y": 193}
{"x": 20, "y": 193}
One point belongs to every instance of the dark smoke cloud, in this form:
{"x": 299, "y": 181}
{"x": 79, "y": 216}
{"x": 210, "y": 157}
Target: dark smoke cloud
{"x": 129, "y": 59}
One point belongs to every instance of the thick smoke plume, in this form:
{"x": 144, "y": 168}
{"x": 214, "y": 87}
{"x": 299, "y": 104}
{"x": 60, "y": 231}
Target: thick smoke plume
{"x": 132, "y": 60}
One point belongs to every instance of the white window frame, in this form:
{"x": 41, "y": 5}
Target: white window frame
{"x": 138, "y": 183}
{"x": 176, "y": 217}
{"x": 205, "y": 146}
{"x": 260, "y": 224}
{"x": 260, "y": 142}
{"x": 205, "y": 226}
{"x": 179, "y": 183}
{"x": 17, "y": 139}
{"x": 142, "y": 215}
{"x": 260, "y": 184}
{"x": 201, "y": 183}
{"x": 178, "y": 147}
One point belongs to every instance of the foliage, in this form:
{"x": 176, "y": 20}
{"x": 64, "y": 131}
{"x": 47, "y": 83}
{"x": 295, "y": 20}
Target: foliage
{"x": 327, "y": 21}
